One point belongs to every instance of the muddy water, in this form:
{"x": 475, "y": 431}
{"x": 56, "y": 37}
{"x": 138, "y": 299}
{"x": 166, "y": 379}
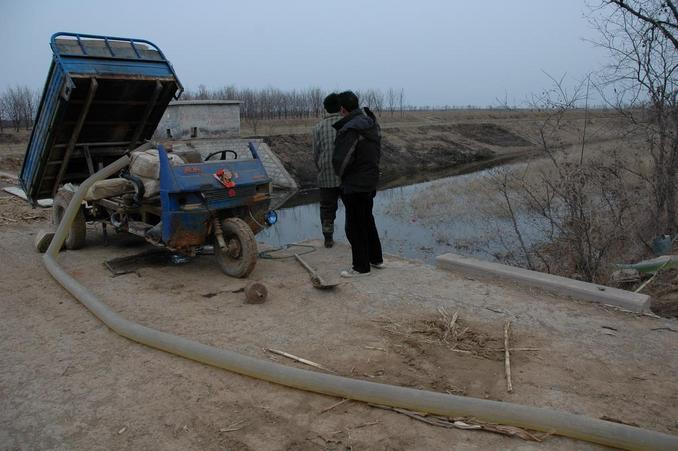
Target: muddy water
{"x": 405, "y": 233}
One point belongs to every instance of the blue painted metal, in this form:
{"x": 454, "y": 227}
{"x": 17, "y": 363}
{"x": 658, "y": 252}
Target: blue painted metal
{"x": 127, "y": 70}
{"x": 70, "y": 61}
{"x": 190, "y": 195}
{"x": 46, "y": 116}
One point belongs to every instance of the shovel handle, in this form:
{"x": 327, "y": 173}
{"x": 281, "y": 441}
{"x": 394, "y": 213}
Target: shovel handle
{"x": 305, "y": 265}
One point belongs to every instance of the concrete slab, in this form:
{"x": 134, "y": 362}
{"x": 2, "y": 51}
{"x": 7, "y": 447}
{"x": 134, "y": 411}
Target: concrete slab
{"x": 18, "y": 192}
{"x": 628, "y": 300}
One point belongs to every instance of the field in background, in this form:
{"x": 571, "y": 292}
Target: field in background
{"x": 408, "y": 119}
{"x": 426, "y": 145}
{"x": 12, "y": 149}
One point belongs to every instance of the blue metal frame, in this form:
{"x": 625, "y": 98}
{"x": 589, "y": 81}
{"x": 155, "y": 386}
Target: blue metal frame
{"x": 45, "y": 119}
{"x": 190, "y": 195}
{"x": 78, "y": 36}
{"x": 65, "y": 70}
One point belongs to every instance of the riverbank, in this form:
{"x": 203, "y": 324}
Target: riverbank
{"x": 421, "y": 146}
{"x": 418, "y": 221}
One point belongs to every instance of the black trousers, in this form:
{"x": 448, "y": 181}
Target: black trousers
{"x": 361, "y": 230}
{"x": 329, "y": 198}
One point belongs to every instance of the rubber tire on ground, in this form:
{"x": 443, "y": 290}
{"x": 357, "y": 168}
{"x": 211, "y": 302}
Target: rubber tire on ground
{"x": 243, "y": 265}
{"x": 76, "y": 237}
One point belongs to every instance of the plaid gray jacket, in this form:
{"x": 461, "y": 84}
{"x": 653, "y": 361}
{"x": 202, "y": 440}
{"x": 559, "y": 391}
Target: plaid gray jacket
{"x": 323, "y": 148}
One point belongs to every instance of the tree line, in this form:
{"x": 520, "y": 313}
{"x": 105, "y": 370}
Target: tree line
{"x": 274, "y": 103}
{"x": 19, "y": 104}
{"x": 18, "y": 107}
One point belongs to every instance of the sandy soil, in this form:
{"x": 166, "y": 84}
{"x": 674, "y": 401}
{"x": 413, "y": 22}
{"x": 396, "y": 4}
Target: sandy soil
{"x": 12, "y": 149}
{"x": 68, "y": 382}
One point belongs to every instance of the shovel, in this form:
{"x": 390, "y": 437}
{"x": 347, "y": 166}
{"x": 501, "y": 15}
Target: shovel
{"x": 316, "y": 280}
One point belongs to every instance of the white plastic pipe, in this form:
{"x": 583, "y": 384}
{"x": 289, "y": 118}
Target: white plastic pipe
{"x": 540, "y": 419}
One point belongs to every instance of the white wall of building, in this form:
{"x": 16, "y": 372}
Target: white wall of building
{"x": 196, "y": 119}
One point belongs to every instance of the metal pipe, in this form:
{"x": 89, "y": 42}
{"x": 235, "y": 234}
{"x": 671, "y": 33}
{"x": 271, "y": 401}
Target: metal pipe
{"x": 540, "y": 419}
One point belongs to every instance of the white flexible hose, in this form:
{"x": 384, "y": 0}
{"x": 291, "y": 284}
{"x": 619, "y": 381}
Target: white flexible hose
{"x": 540, "y": 419}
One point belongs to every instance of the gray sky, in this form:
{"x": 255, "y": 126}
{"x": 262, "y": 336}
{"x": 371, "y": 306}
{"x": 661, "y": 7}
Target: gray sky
{"x": 454, "y": 52}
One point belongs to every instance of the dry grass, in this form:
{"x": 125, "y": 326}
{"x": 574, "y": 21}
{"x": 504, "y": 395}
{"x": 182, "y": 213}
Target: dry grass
{"x": 16, "y": 211}
{"x": 447, "y": 330}
{"x": 418, "y": 119}
{"x": 478, "y": 193}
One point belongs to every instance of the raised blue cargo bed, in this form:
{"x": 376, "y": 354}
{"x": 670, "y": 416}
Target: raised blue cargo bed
{"x": 103, "y": 96}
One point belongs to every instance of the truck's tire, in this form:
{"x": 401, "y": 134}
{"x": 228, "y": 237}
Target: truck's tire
{"x": 77, "y": 236}
{"x": 240, "y": 255}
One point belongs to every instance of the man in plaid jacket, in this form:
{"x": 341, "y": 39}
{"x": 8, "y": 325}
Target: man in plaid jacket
{"x": 328, "y": 181}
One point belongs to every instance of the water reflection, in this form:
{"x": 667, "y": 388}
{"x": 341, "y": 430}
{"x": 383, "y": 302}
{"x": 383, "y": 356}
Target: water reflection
{"x": 422, "y": 237}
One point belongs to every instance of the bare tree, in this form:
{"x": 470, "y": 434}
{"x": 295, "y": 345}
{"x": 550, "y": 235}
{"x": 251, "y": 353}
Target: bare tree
{"x": 316, "y": 96}
{"x": 14, "y": 107}
{"x": 202, "y": 94}
{"x": 3, "y": 114}
{"x": 273, "y": 103}
{"x": 581, "y": 206}
{"x": 641, "y": 36}
{"x": 391, "y": 99}
{"x": 29, "y": 105}
{"x": 401, "y": 99}
{"x": 19, "y": 105}
{"x": 378, "y": 100}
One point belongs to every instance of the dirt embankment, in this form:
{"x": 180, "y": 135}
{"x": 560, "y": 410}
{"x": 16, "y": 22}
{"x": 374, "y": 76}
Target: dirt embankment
{"x": 12, "y": 149}
{"x": 410, "y": 151}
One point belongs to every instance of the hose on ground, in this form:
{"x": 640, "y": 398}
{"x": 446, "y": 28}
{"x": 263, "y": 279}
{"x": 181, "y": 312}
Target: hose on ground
{"x": 540, "y": 419}
{"x": 272, "y": 254}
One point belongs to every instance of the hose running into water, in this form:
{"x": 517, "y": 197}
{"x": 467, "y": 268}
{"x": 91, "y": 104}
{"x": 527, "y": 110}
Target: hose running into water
{"x": 535, "y": 418}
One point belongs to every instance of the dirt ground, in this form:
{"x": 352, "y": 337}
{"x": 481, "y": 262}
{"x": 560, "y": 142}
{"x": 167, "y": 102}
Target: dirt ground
{"x": 12, "y": 150}
{"x": 664, "y": 292}
{"x": 68, "y": 382}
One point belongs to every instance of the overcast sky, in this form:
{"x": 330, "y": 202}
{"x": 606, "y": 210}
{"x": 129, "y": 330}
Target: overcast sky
{"x": 454, "y": 52}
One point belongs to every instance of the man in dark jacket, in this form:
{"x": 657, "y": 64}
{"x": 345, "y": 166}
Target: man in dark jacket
{"x": 357, "y": 149}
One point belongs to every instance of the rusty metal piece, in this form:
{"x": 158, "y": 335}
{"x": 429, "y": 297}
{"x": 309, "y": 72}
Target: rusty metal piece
{"x": 186, "y": 236}
{"x": 219, "y": 233}
{"x": 234, "y": 248}
{"x": 255, "y": 293}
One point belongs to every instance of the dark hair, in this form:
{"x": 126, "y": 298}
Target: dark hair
{"x": 331, "y": 103}
{"x": 348, "y": 100}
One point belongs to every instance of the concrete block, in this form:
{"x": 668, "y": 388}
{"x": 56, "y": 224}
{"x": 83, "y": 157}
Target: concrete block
{"x": 200, "y": 119}
{"x": 585, "y": 291}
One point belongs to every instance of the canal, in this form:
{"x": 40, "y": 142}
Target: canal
{"x": 423, "y": 220}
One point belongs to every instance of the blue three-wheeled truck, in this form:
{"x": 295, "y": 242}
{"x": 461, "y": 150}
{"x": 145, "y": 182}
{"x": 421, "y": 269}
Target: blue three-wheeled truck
{"x": 103, "y": 99}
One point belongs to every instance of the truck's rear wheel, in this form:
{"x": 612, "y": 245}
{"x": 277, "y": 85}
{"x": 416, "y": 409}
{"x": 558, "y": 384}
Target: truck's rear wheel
{"x": 77, "y": 235}
{"x": 239, "y": 256}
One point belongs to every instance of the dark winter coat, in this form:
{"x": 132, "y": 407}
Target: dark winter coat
{"x": 357, "y": 150}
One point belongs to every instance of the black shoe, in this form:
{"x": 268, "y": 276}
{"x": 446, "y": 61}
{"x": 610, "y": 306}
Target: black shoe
{"x": 329, "y": 242}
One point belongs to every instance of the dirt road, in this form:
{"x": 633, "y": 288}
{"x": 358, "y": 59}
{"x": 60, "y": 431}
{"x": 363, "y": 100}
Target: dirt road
{"x": 68, "y": 382}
